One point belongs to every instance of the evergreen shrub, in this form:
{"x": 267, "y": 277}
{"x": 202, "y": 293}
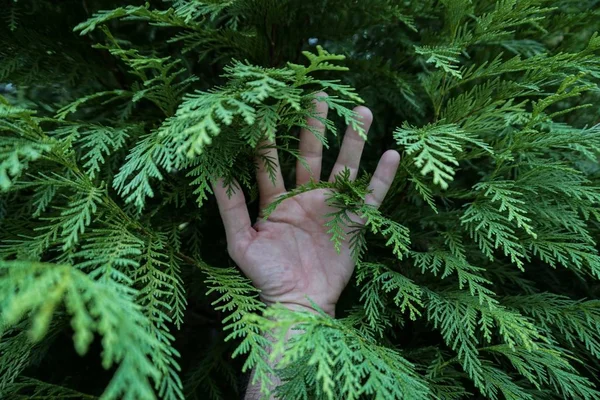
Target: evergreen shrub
{"x": 477, "y": 279}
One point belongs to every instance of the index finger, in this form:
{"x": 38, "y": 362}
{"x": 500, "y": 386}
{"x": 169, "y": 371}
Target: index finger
{"x": 383, "y": 177}
{"x": 352, "y": 146}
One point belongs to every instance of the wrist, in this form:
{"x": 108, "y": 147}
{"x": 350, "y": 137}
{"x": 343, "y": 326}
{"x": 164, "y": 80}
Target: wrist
{"x": 329, "y": 309}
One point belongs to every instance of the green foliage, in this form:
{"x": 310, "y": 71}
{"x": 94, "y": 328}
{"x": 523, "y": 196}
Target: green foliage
{"x": 17, "y": 150}
{"x": 34, "y": 290}
{"x": 433, "y": 148}
{"x": 477, "y": 277}
{"x": 354, "y": 367}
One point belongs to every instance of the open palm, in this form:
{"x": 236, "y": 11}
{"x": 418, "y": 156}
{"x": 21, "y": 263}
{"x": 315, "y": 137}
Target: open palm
{"x": 289, "y": 256}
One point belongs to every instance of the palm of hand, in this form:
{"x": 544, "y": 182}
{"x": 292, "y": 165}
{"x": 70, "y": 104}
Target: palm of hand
{"x": 290, "y": 256}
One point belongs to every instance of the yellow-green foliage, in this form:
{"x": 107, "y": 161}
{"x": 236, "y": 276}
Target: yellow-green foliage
{"x": 477, "y": 277}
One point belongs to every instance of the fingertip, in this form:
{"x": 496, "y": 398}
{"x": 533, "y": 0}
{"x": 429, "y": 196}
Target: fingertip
{"x": 320, "y": 94}
{"x": 224, "y": 192}
{"x": 383, "y": 177}
{"x": 319, "y": 102}
{"x": 391, "y": 157}
{"x": 365, "y": 114}
{"x": 387, "y": 167}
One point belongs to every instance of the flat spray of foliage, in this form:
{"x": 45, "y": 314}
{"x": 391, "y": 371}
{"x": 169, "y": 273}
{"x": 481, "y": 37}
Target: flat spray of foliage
{"x": 477, "y": 278}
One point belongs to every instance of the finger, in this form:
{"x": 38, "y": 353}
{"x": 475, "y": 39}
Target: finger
{"x": 233, "y": 210}
{"x": 383, "y": 177}
{"x": 352, "y": 146}
{"x": 311, "y": 147}
{"x": 268, "y": 172}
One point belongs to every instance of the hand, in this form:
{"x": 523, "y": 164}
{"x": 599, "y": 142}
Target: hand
{"x": 290, "y": 256}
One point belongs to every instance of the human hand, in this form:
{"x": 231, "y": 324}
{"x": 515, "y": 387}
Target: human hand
{"x": 289, "y": 256}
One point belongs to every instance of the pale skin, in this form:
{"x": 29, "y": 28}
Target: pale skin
{"x": 289, "y": 256}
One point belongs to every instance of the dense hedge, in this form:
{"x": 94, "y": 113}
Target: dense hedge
{"x": 479, "y": 276}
